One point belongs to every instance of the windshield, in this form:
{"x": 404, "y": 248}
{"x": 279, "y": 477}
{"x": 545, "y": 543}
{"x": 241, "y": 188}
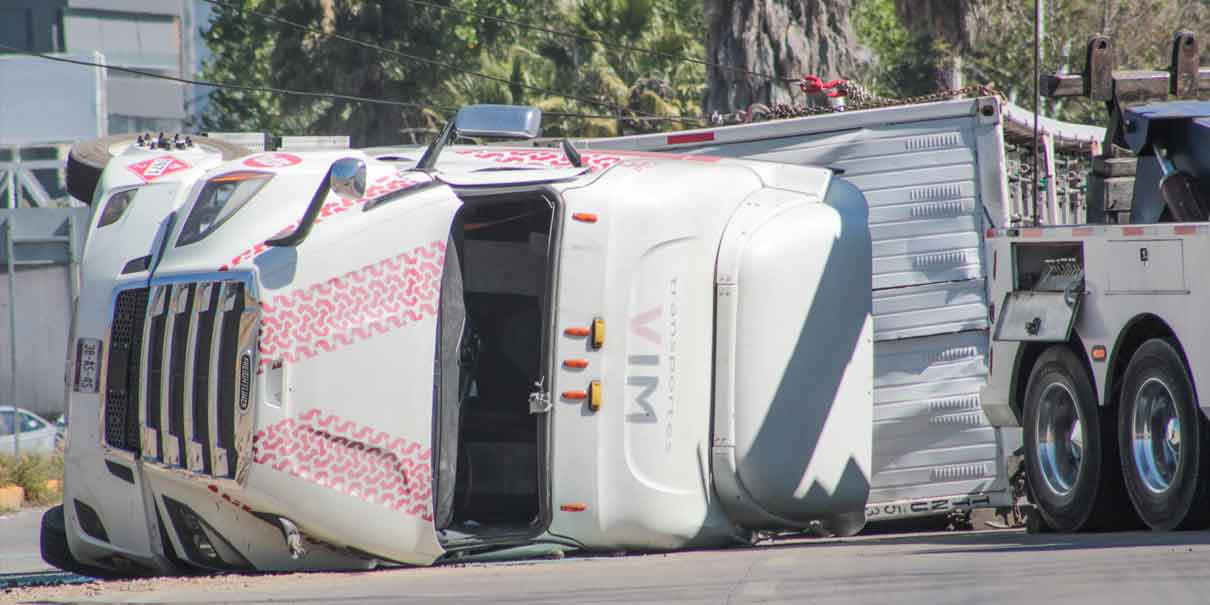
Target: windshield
{"x": 221, "y": 198}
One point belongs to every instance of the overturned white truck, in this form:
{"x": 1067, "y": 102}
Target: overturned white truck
{"x": 330, "y": 360}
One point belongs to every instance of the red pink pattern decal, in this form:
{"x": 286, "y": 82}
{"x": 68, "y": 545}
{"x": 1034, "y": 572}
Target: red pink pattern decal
{"x": 540, "y": 157}
{"x": 356, "y": 306}
{"x": 378, "y": 188}
{"x": 550, "y": 158}
{"x": 324, "y": 449}
{"x": 272, "y": 160}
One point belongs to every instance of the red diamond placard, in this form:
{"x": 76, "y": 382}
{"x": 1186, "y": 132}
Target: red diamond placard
{"x": 150, "y": 170}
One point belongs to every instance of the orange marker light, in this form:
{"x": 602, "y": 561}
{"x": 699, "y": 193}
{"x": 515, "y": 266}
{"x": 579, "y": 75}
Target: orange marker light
{"x": 585, "y": 217}
{"x": 577, "y": 332}
{"x": 573, "y": 507}
{"x": 575, "y": 394}
{"x": 1099, "y": 353}
{"x": 578, "y": 364}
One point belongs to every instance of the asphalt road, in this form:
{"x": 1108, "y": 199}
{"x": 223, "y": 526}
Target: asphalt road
{"x": 19, "y": 542}
{"x": 938, "y": 568}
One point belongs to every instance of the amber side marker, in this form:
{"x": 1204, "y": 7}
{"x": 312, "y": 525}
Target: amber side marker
{"x": 577, "y": 364}
{"x": 573, "y": 507}
{"x": 594, "y": 396}
{"x": 1099, "y": 353}
{"x": 598, "y": 333}
{"x": 577, "y": 332}
{"x": 575, "y": 394}
{"x": 585, "y": 217}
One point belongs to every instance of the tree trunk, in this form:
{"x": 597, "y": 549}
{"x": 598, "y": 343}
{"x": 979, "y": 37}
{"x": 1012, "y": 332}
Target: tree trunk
{"x": 950, "y": 22}
{"x": 782, "y": 38}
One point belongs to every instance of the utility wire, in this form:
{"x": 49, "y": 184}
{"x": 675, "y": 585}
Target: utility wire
{"x": 598, "y": 40}
{"x": 224, "y": 85}
{"x": 304, "y": 93}
{"x": 443, "y": 64}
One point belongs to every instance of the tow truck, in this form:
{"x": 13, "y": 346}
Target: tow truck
{"x": 1100, "y": 348}
{"x": 336, "y": 360}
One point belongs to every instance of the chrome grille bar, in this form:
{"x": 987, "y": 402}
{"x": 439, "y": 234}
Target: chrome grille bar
{"x": 149, "y": 371}
{"x": 218, "y": 453}
{"x": 169, "y": 440}
{"x": 193, "y": 449}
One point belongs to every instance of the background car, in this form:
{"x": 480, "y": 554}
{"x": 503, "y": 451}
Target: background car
{"x": 37, "y": 435}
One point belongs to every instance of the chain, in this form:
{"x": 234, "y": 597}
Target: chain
{"x": 858, "y": 98}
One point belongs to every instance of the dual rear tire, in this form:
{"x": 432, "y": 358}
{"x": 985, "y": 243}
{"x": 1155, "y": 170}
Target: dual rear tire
{"x": 1091, "y": 469}
{"x": 1164, "y": 440}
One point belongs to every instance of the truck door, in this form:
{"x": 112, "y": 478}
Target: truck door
{"x": 349, "y": 332}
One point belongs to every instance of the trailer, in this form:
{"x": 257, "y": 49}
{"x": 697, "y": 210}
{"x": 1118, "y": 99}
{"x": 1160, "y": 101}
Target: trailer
{"x": 937, "y": 175}
{"x": 336, "y": 360}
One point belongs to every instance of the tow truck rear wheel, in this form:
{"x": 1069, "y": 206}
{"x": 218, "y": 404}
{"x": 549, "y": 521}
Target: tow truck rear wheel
{"x": 1164, "y": 440}
{"x": 1071, "y": 457}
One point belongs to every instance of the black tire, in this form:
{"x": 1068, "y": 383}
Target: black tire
{"x": 56, "y": 552}
{"x": 1158, "y": 366}
{"x": 1072, "y": 493}
{"x": 87, "y": 159}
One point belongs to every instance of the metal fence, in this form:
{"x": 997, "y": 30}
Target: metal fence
{"x": 39, "y": 249}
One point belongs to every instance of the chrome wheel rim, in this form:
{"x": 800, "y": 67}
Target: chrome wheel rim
{"x": 1059, "y": 435}
{"x": 1155, "y": 435}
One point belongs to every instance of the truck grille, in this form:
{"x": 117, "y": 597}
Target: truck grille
{"x": 188, "y": 351}
{"x": 122, "y": 374}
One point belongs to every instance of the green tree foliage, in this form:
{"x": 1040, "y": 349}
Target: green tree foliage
{"x": 910, "y": 45}
{"x": 533, "y": 65}
{"x": 903, "y": 61}
{"x": 1140, "y": 29}
{"x": 1001, "y": 47}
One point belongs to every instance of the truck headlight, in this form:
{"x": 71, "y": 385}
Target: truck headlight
{"x": 221, "y": 197}
{"x": 116, "y": 206}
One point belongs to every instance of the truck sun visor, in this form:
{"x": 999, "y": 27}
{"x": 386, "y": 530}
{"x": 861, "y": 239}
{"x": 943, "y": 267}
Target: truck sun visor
{"x": 220, "y": 199}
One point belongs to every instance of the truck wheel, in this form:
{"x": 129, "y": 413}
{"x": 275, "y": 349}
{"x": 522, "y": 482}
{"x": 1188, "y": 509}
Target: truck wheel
{"x": 1070, "y": 456}
{"x": 87, "y": 159}
{"x": 55, "y": 551}
{"x": 1164, "y": 440}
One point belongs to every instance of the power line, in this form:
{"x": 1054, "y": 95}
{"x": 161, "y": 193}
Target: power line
{"x": 223, "y": 85}
{"x": 450, "y": 66}
{"x": 598, "y": 40}
{"x": 305, "y": 93}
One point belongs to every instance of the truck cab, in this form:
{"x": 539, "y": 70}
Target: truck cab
{"x": 335, "y": 360}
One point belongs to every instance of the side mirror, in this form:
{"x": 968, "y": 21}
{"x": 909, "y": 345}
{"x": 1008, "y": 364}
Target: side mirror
{"x": 348, "y": 178}
{"x": 506, "y": 121}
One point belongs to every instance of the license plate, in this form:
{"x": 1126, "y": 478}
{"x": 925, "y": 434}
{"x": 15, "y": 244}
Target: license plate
{"x": 88, "y": 365}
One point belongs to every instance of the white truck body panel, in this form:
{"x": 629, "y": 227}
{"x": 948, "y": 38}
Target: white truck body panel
{"x": 933, "y": 174}
{"x": 762, "y": 471}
